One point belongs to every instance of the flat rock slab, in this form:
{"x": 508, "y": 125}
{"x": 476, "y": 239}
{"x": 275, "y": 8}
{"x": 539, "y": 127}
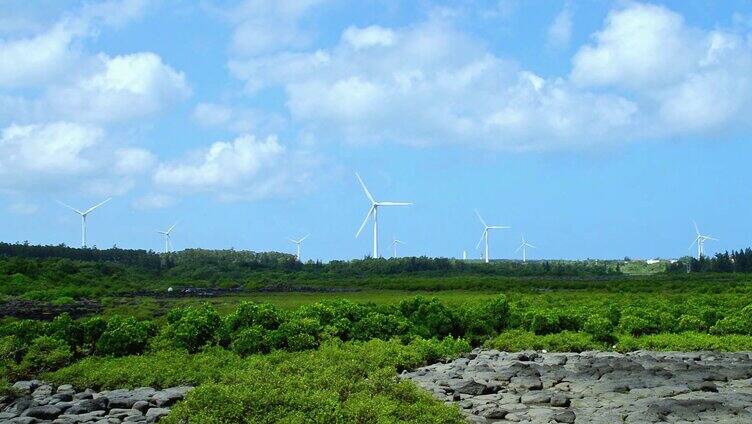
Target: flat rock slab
{"x": 490, "y": 386}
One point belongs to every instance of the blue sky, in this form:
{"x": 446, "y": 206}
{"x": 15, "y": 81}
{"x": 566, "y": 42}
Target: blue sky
{"x": 597, "y": 129}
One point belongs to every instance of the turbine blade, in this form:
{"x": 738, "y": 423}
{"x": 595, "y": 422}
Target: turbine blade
{"x": 393, "y": 203}
{"x": 292, "y": 240}
{"x": 696, "y": 229}
{"x": 518, "y": 249}
{"x": 711, "y": 238}
{"x": 499, "y": 227}
{"x": 481, "y": 219}
{"x": 481, "y": 238}
{"x": 306, "y": 236}
{"x": 173, "y": 226}
{"x": 530, "y": 245}
{"x": 97, "y": 205}
{"x": 365, "y": 221}
{"x": 71, "y": 208}
{"x": 365, "y": 189}
{"x": 693, "y": 242}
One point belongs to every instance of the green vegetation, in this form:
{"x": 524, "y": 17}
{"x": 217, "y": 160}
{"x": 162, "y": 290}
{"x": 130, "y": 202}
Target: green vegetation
{"x": 327, "y": 347}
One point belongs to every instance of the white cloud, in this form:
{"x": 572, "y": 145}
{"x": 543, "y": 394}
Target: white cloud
{"x": 48, "y": 149}
{"x": 372, "y": 36}
{"x": 560, "y": 30}
{"x": 245, "y": 168}
{"x": 23, "y": 208}
{"x": 133, "y": 160}
{"x": 237, "y": 119}
{"x": 36, "y": 59}
{"x": 685, "y": 79}
{"x": 435, "y": 85}
{"x": 122, "y": 88}
{"x": 154, "y": 201}
{"x": 263, "y": 26}
{"x": 641, "y": 45}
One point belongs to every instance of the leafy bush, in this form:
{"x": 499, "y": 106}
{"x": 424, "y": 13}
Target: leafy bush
{"x": 194, "y": 328}
{"x": 251, "y": 340}
{"x": 377, "y": 325}
{"x": 429, "y": 318}
{"x": 688, "y": 341}
{"x": 298, "y": 334}
{"x": 45, "y": 354}
{"x": 600, "y": 328}
{"x": 249, "y": 314}
{"x": 124, "y": 336}
{"x": 63, "y": 327}
{"x": 690, "y": 323}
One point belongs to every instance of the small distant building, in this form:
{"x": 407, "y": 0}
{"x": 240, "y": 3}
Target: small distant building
{"x": 652, "y": 261}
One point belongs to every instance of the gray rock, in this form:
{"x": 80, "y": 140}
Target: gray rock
{"x": 142, "y": 406}
{"x": 565, "y": 417}
{"x": 26, "y": 387}
{"x": 154, "y": 414}
{"x": 45, "y": 412}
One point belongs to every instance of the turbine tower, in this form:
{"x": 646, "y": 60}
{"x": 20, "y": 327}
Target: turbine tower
{"x": 700, "y": 241}
{"x": 168, "y": 242}
{"x": 297, "y": 243}
{"x": 83, "y": 217}
{"x": 524, "y": 247}
{"x": 484, "y": 235}
{"x": 374, "y": 210}
{"x": 395, "y": 242}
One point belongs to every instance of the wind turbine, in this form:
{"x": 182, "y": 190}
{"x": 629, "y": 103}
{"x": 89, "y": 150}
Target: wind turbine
{"x": 298, "y": 242}
{"x": 166, "y": 234}
{"x": 484, "y": 236}
{"x": 395, "y": 242}
{"x": 524, "y": 247}
{"x": 374, "y": 210}
{"x": 700, "y": 241}
{"x": 83, "y": 217}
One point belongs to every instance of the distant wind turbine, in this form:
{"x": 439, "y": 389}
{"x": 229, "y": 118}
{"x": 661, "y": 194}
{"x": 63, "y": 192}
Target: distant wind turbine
{"x": 83, "y": 217}
{"x": 395, "y": 242}
{"x": 484, "y": 235}
{"x": 297, "y": 243}
{"x": 168, "y": 242}
{"x": 374, "y": 210}
{"x": 700, "y": 241}
{"x": 524, "y": 247}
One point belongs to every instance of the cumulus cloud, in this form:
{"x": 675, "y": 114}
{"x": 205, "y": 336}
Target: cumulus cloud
{"x": 689, "y": 79}
{"x": 432, "y": 84}
{"x": 49, "y": 149}
{"x": 245, "y": 168}
{"x": 133, "y": 160}
{"x": 263, "y": 26}
{"x": 121, "y": 88}
{"x": 372, "y": 36}
{"x": 37, "y": 59}
{"x": 237, "y": 119}
{"x": 560, "y": 30}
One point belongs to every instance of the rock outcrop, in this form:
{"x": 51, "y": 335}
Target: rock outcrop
{"x": 38, "y": 402}
{"x": 594, "y": 387}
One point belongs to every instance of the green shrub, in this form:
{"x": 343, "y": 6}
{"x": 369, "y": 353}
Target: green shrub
{"x": 566, "y": 341}
{"x": 600, "y": 328}
{"x": 637, "y": 325}
{"x": 194, "y": 328}
{"x": 249, "y": 314}
{"x": 429, "y": 318}
{"x": 63, "y": 327}
{"x": 690, "y": 323}
{"x": 251, "y": 340}
{"x": 45, "y": 354}
{"x": 377, "y": 325}
{"x": 688, "y": 342}
{"x": 124, "y": 336}
{"x": 297, "y": 334}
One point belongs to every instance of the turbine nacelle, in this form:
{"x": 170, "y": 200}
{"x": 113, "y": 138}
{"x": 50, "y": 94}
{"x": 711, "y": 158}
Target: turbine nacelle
{"x": 373, "y": 212}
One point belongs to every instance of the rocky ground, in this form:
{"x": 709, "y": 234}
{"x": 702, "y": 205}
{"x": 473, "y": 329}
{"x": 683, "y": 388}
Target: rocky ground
{"x": 595, "y": 387}
{"x": 38, "y": 402}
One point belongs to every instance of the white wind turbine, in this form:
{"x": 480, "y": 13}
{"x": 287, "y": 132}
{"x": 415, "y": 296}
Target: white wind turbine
{"x": 168, "y": 242}
{"x": 83, "y": 217}
{"x": 700, "y": 241}
{"x": 395, "y": 242}
{"x": 484, "y": 236}
{"x": 374, "y": 210}
{"x": 524, "y": 247}
{"x": 297, "y": 243}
